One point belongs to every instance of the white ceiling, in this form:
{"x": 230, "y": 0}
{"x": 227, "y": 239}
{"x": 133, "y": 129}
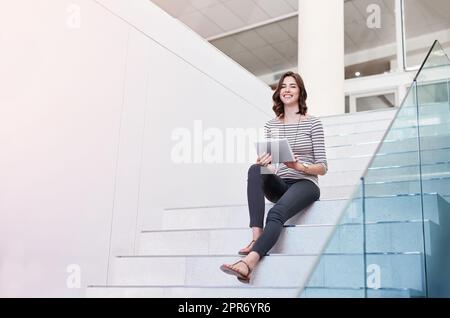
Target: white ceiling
{"x": 213, "y": 17}
{"x": 273, "y": 47}
{"x": 265, "y": 49}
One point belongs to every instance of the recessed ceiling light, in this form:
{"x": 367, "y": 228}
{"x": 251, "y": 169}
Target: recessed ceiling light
{"x": 357, "y": 74}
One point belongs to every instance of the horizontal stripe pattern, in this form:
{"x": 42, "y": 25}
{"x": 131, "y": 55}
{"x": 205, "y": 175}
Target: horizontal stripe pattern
{"x": 306, "y": 140}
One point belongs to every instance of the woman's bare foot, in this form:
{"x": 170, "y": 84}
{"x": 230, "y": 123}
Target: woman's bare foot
{"x": 242, "y": 268}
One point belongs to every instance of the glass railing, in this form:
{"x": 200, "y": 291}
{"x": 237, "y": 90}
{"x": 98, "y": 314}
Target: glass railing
{"x": 393, "y": 237}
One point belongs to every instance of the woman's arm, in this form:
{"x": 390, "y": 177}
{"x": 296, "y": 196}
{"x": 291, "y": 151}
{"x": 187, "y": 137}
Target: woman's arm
{"x": 313, "y": 169}
{"x": 318, "y": 142}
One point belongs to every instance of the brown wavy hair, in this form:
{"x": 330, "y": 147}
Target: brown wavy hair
{"x": 278, "y": 106}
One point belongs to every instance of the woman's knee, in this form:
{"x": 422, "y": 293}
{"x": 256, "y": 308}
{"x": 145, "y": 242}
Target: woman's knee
{"x": 254, "y": 170}
{"x": 276, "y": 214}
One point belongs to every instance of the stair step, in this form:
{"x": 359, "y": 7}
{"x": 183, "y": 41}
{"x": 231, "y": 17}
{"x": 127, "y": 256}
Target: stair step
{"x": 325, "y": 292}
{"x": 395, "y": 270}
{"x": 244, "y": 292}
{"x": 427, "y": 117}
{"x": 340, "y": 178}
{"x": 300, "y": 239}
{"x": 293, "y": 240}
{"x": 397, "y": 208}
{"x": 411, "y": 143}
{"x": 320, "y": 212}
{"x": 352, "y": 139}
{"x": 358, "y": 164}
{"x": 426, "y": 130}
{"x": 189, "y": 292}
{"x": 411, "y": 157}
{"x": 434, "y": 185}
{"x": 431, "y": 108}
{"x": 338, "y": 192}
{"x": 402, "y": 122}
{"x": 389, "y": 146}
{"x": 354, "y": 118}
{"x": 440, "y": 185}
{"x": 382, "y": 237}
{"x": 334, "y": 130}
{"x": 204, "y": 271}
{"x": 396, "y": 134}
{"x": 347, "y": 151}
{"x": 408, "y": 172}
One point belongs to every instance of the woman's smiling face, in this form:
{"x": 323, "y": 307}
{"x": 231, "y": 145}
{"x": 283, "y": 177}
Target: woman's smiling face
{"x": 290, "y": 92}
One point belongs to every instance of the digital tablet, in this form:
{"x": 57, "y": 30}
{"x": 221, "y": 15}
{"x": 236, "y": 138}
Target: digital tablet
{"x": 279, "y": 149}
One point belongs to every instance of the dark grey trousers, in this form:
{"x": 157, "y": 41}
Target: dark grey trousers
{"x": 290, "y": 197}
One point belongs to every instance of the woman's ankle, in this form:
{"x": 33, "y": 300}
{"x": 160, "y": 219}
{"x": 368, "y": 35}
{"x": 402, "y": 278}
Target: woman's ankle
{"x": 252, "y": 259}
{"x": 257, "y": 233}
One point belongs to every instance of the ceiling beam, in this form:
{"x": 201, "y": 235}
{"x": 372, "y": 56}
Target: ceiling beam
{"x": 253, "y": 26}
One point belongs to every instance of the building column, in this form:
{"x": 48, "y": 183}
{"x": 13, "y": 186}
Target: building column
{"x": 321, "y": 55}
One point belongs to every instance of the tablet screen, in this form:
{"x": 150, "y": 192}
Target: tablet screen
{"x": 279, "y": 149}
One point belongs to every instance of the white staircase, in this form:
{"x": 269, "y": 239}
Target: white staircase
{"x": 182, "y": 259}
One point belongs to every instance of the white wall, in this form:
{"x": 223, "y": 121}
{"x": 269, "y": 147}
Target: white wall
{"x": 86, "y": 118}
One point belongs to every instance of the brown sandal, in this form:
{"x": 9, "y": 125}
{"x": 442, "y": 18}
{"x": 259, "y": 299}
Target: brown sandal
{"x": 229, "y": 269}
{"x": 246, "y": 250}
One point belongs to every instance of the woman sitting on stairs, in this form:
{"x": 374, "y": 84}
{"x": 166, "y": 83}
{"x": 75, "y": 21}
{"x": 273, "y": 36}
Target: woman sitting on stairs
{"x": 292, "y": 186}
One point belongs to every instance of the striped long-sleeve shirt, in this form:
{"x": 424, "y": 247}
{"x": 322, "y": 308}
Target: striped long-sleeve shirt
{"x": 309, "y": 144}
